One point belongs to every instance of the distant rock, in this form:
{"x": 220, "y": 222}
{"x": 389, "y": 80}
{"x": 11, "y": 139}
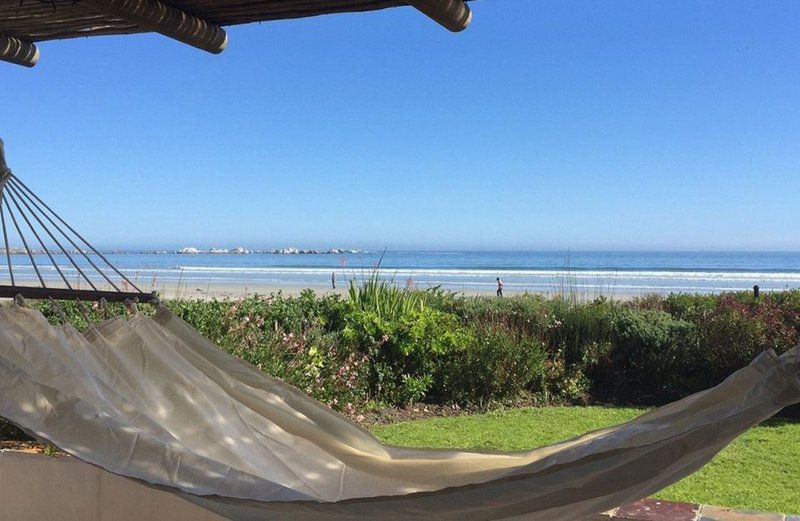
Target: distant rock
{"x": 241, "y": 250}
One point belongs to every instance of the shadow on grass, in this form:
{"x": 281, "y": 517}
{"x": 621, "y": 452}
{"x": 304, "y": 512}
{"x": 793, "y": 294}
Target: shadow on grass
{"x": 776, "y": 422}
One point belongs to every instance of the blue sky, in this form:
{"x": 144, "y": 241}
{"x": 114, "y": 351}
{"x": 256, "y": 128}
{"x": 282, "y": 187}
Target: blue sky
{"x": 545, "y": 125}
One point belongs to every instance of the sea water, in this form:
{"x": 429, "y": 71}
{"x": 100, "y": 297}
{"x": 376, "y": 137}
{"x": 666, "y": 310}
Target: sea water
{"x": 583, "y": 272}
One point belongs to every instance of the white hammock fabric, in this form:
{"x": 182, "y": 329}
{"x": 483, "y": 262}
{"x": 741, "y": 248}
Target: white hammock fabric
{"x": 151, "y": 399}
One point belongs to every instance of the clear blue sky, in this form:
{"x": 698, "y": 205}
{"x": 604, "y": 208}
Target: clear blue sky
{"x": 545, "y": 125}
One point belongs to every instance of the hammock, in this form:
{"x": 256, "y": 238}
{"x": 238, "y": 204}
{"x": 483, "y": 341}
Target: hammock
{"x": 151, "y": 399}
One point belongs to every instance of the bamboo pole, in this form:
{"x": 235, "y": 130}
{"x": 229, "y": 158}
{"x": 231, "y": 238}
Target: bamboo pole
{"x": 453, "y": 15}
{"x": 20, "y": 52}
{"x": 156, "y": 16}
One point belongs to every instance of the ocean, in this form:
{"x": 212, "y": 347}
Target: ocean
{"x": 590, "y": 273}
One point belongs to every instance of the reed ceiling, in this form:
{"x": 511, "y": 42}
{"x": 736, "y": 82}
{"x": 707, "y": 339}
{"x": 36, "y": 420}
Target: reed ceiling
{"x": 38, "y": 20}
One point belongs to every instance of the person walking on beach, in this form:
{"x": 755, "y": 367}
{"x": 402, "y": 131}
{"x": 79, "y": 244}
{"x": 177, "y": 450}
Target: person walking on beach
{"x": 333, "y": 279}
{"x": 499, "y": 287}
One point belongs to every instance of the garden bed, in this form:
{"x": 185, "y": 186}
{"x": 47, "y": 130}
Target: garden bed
{"x": 385, "y": 348}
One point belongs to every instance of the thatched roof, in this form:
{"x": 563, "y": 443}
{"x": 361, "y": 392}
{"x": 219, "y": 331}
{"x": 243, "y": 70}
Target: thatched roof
{"x": 196, "y": 22}
{"x": 37, "y": 20}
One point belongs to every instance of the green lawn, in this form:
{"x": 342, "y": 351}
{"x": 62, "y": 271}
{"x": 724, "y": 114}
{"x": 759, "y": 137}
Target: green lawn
{"x": 759, "y": 471}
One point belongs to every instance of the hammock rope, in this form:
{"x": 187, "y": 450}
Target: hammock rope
{"x": 5, "y": 241}
{"x": 39, "y": 220}
{"x": 24, "y": 242}
{"x": 39, "y": 239}
{"x": 22, "y": 190}
{"x": 54, "y": 236}
{"x": 15, "y": 180}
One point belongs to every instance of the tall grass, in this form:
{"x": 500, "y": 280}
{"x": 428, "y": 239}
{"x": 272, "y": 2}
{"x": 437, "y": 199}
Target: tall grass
{"x": 567, "y": 288}
{"x": 384, "y": 298}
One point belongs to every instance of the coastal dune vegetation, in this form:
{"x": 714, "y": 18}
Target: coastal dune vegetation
{"x": 382, "y": 346}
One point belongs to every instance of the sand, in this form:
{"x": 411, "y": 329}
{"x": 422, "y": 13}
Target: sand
{"x": 226, "y": 290}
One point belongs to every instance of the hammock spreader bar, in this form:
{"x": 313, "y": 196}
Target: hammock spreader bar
{"x": 22, "y": 204}
{"x": 86, "y": 295}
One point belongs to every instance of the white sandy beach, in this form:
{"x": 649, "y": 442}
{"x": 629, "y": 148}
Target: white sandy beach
{"x": 226, "y": 290}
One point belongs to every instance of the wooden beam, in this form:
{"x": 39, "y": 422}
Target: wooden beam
{"x": 453, "y": 15}
{"x": 86, "y": 295}
{"x": 18, "y": 51}
{"x": 159, "y": 17}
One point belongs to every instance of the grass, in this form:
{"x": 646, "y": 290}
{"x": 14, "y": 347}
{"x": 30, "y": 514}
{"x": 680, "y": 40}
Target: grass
{"x": 758, "y": 471}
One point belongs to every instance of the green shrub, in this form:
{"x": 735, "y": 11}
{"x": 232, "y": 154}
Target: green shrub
{"x": 496, "y": 365}
{"x": 736, "y": 329}
{"x": 222, "y": 320}
{"x": 689, "y": 307}
{"x": 521, "y": 314}
{"x": 653, "y": 357}
{"x": 71, "y": 310}
{"x": 404, "y": 352}
{"x": 391, "y": 346}
{"x": 286, "y": 337}
{"x": 579, "y": 334}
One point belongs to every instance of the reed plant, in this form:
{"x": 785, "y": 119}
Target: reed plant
{"x": 384, "y": 298}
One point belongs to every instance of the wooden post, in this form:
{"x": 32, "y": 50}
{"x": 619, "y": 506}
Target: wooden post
{"x": 20, "y": 52}
{"x": 3, "y": 164}
{"x": 453, "y": 15}
{"x": 156, "y": 16}
{"x": 5, "y": 172}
